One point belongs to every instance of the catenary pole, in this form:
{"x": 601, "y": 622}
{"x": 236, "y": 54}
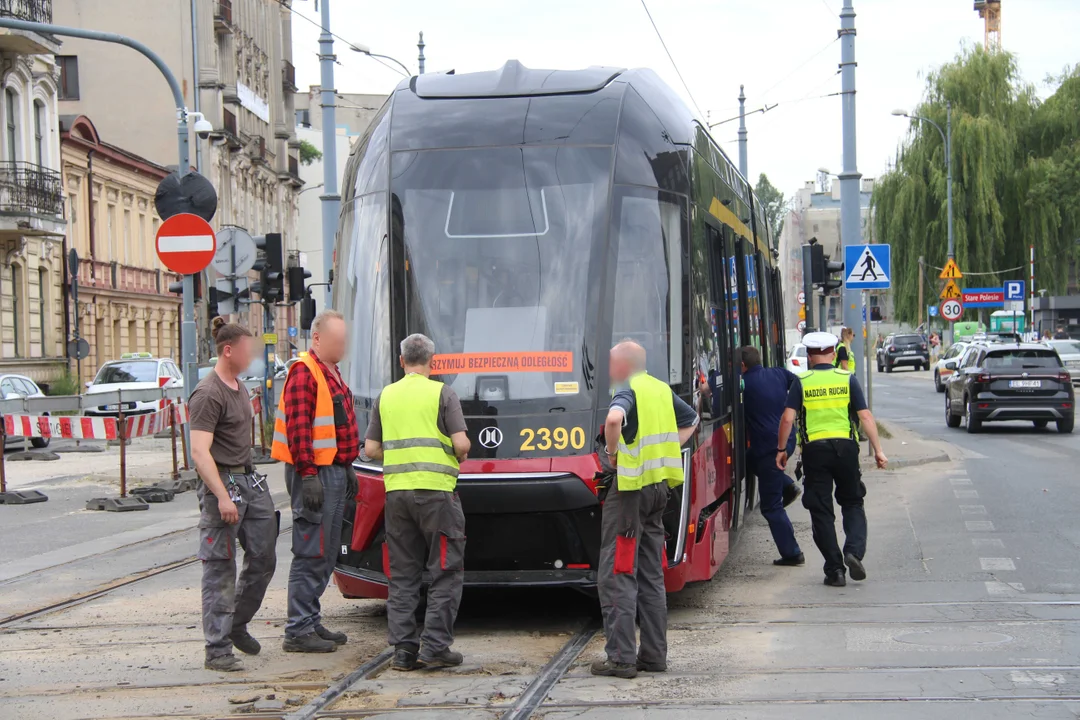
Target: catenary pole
{"x": 742, "y": 135}
{"x": 850, "y": 210}
{"x": 187, "y": 330}
{"x": 331, "y": 200}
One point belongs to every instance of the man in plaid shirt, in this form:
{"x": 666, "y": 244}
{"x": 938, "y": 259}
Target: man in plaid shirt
{"x": 319, "y": 488}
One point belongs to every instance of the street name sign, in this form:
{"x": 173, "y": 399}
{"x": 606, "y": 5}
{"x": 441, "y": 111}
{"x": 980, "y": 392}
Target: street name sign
{"x": 186, "y": 244}
{"x": 983, "y": 297}
{"x": 869, "y": 267}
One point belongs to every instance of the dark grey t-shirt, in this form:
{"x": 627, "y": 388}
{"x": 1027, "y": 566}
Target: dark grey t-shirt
{"x": 217, "y": 408}
{"x": 451, "y": 418}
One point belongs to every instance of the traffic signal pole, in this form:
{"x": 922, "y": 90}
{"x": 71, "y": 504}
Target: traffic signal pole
{"x": 850, "y": 211}
{"x": 331, "y": 199}
{"x": 187, "y": 336}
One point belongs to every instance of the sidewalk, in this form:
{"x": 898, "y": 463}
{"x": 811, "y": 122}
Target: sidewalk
{"x": 905, "y": 449}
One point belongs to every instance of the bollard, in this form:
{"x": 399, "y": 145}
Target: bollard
{"x": 3, "y": 444}
{"x": 173, "y": 417}
{"x": 121, "y": 431}
{"x": 183, "y": 444}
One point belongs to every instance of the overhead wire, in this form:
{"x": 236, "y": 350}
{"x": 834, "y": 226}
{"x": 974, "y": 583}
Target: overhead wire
{"x": 352, "y": 46}
{"x": 673, "y": 63}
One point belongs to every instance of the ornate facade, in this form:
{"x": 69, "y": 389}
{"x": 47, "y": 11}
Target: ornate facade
{"x": 123, "y": 300}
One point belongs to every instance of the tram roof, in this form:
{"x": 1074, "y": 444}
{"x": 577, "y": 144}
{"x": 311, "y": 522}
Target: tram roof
{"x": 514, "y": 80}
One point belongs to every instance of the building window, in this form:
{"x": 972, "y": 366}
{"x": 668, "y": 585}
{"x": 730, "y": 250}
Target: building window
{"x": 129, "y": 251}
{"x": 43, "y": 304}
{"x": 69, "y": 77}
{"x": 11, "y": 119}
{"x": 17, "y": 303}
{"x": 110, "y": 230}
{"x": 39, "y": 129}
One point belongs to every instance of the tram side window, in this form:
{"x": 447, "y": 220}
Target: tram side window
{"x": 649, "y": 281}
{"x": 362, "y": 295}
{"x": 714, "y": 337}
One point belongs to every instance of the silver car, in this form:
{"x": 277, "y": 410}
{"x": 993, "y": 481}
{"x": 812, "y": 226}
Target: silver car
{"x": 17, "y": 387}
{"x": 1069, "y": 352}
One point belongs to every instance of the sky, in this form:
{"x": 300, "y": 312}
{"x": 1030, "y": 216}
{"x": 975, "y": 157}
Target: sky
{"x": 783, "y": 51}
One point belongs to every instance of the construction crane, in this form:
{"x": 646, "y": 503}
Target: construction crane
{"x": 990, "y": 12}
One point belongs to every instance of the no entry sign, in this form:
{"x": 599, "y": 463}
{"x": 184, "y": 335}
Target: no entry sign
{"x": 186, "y": 244}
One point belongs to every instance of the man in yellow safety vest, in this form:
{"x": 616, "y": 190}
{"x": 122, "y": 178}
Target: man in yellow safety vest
{"x": 829, "y": 402}
{"x": 417, "y": 430}
{"x": 647, "y": 424}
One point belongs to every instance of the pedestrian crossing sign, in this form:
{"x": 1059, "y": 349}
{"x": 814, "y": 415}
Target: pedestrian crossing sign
{"x": 869, "y": 267}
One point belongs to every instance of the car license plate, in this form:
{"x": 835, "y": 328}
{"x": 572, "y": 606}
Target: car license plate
{"x": 1025, "y": 383}
{"x": 110, "y": 408}
{"x": 909, "y": 352}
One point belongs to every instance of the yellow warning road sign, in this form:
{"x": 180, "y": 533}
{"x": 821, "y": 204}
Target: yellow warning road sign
{"x": 951, "y": 271}
{"x": 951, "y": 291}
{"x": 802, "y": 312}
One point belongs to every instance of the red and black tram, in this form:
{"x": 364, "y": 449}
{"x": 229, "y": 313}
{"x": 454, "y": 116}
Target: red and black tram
{"x": 526, "y": 220}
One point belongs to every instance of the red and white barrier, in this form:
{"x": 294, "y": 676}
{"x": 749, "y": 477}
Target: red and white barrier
{"x": 77, "y": 427}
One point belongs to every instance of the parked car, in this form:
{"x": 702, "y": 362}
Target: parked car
{"x": 904, "y": 349}
{"x": 941, "y": 372}
{"x": 1069, "y": 352}
{"x": 1021, "y": 381}
{"x": 797, "y": 361}
{"x": 133, "y": 371}
{"x": 17, "y": 387}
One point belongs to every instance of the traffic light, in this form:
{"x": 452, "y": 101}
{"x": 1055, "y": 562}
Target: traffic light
{"x": 822, "y": 269}
{"x": 307, "y": 312}
{"x": 270, "y": 264}
{"x": 178, "y": 286}
{"x": 297, "y": 276}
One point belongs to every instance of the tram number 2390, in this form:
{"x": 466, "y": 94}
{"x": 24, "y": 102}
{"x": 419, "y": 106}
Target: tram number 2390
{"x": 559, "y": 438}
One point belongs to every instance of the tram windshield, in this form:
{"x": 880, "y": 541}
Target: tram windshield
{"x": 498, "y": 243}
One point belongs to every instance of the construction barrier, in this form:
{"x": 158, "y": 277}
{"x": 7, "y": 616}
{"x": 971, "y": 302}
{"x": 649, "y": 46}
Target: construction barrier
{"x": 172, "y": 416}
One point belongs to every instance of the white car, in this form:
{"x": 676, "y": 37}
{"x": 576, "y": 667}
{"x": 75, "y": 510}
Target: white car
{"x": 797, "y": 361}
{"x": 940, "y": 371}
{"x": 1069, "y": 352}
{"x": 133, "y": 371}
{"x": 17, "y": 387}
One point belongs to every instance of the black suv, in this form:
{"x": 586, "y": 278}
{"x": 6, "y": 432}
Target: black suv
{"x": 903, "y": 350}
{"x": 1013, "y": 381}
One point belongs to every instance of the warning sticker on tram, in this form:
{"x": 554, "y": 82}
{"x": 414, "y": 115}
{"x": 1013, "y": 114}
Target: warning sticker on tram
{"x": 502, "y": 362}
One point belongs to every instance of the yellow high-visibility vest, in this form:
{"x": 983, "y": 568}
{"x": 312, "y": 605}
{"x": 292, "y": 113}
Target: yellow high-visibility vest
{"x": 826, "y": 412}
{"x": 416, "y": 454}
{"x": 654, "y": 455}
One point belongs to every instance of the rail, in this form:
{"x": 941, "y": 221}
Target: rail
{"x": 29, "y": 187}
{"x": 30, "y": 10}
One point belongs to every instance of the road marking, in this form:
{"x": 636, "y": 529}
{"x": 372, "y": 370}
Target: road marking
{"x": 997, "y": 563}
{"x": 987, "y": 542}
{"x": 979, "y": 525}
{"x": 966, "y": 494}
{"x": 959, "y": 481}
{"x": 997, "y": 587}
{"x": 972, "y": 509}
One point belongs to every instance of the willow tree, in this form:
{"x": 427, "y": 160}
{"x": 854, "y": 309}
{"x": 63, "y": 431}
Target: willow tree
{"x": 1014, "y": 160}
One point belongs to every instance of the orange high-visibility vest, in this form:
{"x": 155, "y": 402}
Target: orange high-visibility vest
{"x": 323, "y": 434}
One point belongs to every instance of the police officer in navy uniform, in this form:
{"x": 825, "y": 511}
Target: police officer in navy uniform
{"x": 830, "y": 405}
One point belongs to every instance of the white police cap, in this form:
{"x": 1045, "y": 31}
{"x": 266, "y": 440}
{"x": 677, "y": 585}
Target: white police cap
{"x": 820, "y": 341}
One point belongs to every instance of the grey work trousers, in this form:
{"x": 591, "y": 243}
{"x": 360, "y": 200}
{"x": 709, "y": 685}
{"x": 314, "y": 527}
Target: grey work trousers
{"x": 228, "y": 603}
{"x": 631, "y": 577}
{"x": 316, "y": 540}
{"x": 425, "y": 530}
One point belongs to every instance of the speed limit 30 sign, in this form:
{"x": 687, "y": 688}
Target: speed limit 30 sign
{"x": 951, "y": 310}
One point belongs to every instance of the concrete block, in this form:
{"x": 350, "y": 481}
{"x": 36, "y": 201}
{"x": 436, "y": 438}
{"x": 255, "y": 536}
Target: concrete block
{"x": 117, "y": 504}
{"x": 22, "y": 497}
{"x": 153, "y": 494}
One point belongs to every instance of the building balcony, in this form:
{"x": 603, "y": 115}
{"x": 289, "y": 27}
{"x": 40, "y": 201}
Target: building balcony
{"x": 31, "y": 200}
{"x": 21, "y": 41}
{"x": 223, "y": 17}
{"x": 288, "y": 76}
{"x": 101, "y": 275}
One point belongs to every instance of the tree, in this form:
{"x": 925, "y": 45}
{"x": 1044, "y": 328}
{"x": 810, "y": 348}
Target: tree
{"x": 774, "y": 203}
{"x": 1016, "y": 172}
{"x": 309, "y": 153}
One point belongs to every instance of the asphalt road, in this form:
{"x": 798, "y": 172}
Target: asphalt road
{"x": 971, "y": 609}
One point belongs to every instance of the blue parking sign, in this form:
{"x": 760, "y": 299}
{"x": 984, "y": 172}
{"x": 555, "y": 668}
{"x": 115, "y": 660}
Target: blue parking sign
{"x": 1014, "y": 289}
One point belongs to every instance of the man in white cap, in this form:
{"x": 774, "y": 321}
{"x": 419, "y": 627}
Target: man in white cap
{"x": 831, "y": 405}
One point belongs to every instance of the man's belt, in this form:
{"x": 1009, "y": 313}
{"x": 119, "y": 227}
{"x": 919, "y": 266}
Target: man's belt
{"x": 236, "y": 469}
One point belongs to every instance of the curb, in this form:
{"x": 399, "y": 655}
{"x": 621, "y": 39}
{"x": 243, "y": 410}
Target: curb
{"x": 907, "y": 462}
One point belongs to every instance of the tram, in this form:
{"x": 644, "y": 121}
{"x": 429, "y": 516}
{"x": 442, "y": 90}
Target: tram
{"x": 526, "y": 220}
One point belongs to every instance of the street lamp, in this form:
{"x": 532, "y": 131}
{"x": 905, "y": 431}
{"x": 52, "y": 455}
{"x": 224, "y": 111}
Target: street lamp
{"x": 946, "y": 137}
{"x": 365, "y": 50}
